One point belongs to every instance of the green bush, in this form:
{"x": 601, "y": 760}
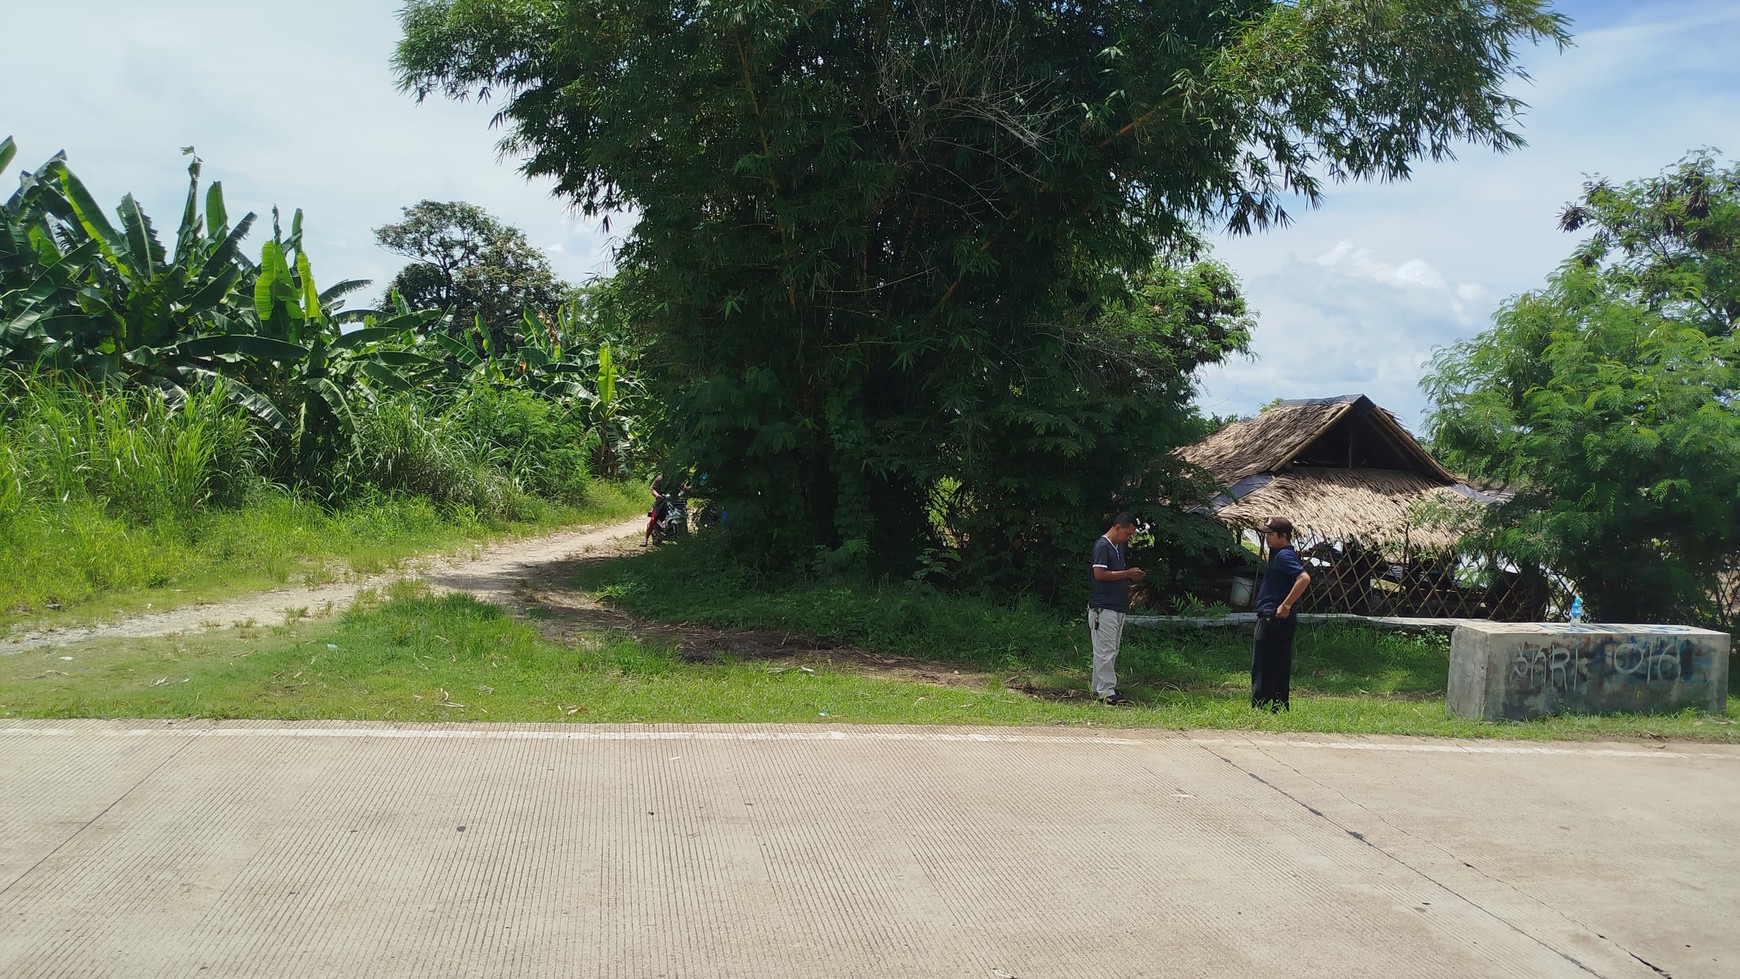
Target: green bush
{"x": 400, "y": 446}
{"x": 134, "y": 450}
{"x": 542, "y": 444}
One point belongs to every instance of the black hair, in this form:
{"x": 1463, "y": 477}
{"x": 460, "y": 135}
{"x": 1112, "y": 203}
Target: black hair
{"x": 1124, "y": 519}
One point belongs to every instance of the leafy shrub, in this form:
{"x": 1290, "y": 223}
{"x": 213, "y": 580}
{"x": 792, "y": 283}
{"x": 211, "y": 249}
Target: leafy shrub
{"x": 541, "y": 443}
{"x": 143, "y": 454}
{"x": 399, "y": 446}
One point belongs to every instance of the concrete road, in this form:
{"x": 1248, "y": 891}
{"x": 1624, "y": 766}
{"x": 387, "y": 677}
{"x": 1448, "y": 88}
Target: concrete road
{"x": 131, "y": 848}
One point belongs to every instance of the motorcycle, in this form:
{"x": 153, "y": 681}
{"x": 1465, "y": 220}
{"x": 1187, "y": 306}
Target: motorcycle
{"x": 670, "y": 518}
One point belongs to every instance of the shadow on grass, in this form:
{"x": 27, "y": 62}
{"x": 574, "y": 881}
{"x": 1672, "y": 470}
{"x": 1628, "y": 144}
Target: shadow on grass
{"x": 1042, "y": 651}
{"x": 1335, "y": 659}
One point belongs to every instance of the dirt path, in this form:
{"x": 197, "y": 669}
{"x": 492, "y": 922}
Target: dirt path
{"x": 497, "y": 574}
{"x": 521, "y": 576}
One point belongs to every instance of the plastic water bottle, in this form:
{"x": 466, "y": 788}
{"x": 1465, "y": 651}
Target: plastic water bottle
{"x": 1576, "y": 608}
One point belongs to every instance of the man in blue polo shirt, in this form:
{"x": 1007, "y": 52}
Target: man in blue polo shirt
{"x": 1107, "y": 605}
{"x": 1272, "y": 652}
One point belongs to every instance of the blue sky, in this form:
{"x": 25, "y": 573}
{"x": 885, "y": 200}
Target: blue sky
{"x": 296, "y": 106}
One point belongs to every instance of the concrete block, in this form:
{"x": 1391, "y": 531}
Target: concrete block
{"x": 1517, "y": 670}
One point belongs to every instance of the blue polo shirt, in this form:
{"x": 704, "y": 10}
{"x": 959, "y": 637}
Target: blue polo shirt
{"x": 1284, "y": 569}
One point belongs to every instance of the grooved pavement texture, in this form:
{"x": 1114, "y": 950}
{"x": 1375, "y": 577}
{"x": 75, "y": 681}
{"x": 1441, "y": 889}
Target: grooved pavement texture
{"x": 208, "y": 849}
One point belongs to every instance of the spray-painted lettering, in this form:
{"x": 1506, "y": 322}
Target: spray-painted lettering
{"x": 1571, "y": 663}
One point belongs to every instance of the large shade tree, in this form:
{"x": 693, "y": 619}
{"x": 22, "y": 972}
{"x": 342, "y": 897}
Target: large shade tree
{"x": 876, "y": 241}
{"x": 470, "y": 263}
{"x": 1609, "y": 402}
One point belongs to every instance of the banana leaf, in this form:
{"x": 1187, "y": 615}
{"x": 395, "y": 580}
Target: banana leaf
{"x": 89, "y": 216}
{"x": 339, "y": 290}
{"x": 399, "y": 358}
{"x": 217, "y": 219}
{"x": 188, "y": 234}
{"x": 368, "y": 334}
{"x": 211, "y": 295}
{"x": 251, "y": 401}
{"x": 408, "y": 321}
{"x": 263, "y": 348}
{"x": 310, "y": 296}
{"x": 226, "y": 253}
{"x": 385, "y": 377}
{"x": 336, "y": 402}
{"x": 460, "y": 351}
{"x": 142, "y": 244}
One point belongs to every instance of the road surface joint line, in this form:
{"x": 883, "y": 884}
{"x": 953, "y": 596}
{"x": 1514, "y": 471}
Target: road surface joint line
{"x": 93, "y": 820}
{"x": 1398, "y": 861}
{"x": 1519, "y": 892}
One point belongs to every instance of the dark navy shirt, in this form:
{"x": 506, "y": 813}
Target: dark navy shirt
{"x": 1284, "y": 569}
{"x": 1113, "y": 595}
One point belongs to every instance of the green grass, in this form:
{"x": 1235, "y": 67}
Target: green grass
{"x": 1023, "y": 638}
{"x": 1345, "y": 679}
{"x": 116, "y": 499}
{"x": 415, "y": 657}
{"x": 73, "y": 561}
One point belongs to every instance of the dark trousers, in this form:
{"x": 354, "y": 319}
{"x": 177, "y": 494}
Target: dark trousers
{"x": 1272, "y": 662}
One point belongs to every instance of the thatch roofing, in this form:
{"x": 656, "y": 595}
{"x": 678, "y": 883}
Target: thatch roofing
{"x": 1339, "y": 468}
{"x": 1277, "y": 439}
{"x": 1381, "y": 508}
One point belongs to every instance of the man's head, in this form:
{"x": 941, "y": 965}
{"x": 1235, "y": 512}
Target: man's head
{"x": 1277, "y": 531}
{"x": 1123, "y": 528}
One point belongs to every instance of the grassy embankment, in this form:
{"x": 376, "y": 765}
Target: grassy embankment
{"x": 115, "y": 501}
{"x": 75, "y": 562}
{"x": 412, "y": 657}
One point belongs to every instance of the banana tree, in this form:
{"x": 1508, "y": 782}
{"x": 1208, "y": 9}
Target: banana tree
{"x": 92, "y": 297}
{"x": 314, "y": 373}
{"x": 110, "y": 299}
{"x": 592, "y": 379}
{"x": 39, "y": 277}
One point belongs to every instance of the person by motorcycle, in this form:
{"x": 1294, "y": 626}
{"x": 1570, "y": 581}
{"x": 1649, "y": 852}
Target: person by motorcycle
{"x": 661, "y": 507}
{"x": 670, "y": 515}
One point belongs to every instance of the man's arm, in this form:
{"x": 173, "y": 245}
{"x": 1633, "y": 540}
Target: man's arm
{"x": 1299, "y": 584}
{"x": 1102, "y": 573}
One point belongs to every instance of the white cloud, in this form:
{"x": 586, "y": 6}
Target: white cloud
{"x": 1355, "y": 295}
{"x": 301, "y": 111}
{"x": 1355, "y": 326}
{"x": 1347, "y": 260}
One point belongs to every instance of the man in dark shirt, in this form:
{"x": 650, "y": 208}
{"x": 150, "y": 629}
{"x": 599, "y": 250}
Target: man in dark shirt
{"x": 1283, "y": 583}
{"x": 1108, "y": 603}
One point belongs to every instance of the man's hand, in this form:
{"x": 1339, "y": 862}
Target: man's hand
{"x": 1135, "y": 574}
{"x": 1283, "y": 611}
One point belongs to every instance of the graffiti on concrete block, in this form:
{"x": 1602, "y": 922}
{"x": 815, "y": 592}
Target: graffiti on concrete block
{"x": 1569, "y": 663}
{"x": 1563, "y": 667}
{"x": 1539, "y": 669}
{"x": 1638, "y": 661}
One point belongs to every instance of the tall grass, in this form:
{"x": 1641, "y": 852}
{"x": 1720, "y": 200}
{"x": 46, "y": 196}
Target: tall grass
{"x": 491, "y": 451}
{"x": 134, "y": 451}
{"x": 112, "y": 496}
{"x": 402, "y": 446}
{"x": 544, "y": 444}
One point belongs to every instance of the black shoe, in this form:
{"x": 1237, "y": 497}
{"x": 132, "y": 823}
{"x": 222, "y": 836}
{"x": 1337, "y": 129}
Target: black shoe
{"x": 1115, "y": 700}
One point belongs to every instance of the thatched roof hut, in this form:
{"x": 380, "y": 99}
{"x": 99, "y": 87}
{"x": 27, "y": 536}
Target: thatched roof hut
{"x": 1339, "y": 468}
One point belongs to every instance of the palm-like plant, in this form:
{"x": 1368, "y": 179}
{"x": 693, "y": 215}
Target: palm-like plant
{"x": 80, "y": 294}
{"x": 592, "y": 379}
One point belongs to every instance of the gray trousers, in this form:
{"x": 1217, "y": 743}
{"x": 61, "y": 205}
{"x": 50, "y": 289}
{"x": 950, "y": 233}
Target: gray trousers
{"x": 1107, "y": 629}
